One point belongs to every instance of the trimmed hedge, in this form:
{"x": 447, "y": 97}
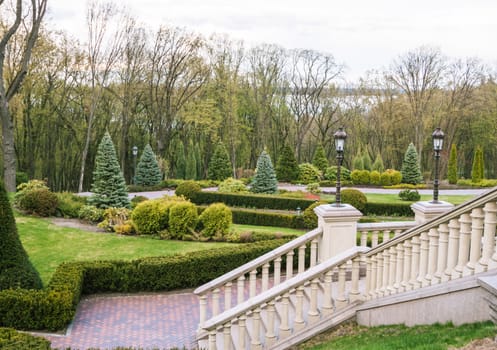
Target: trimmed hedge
{"x": 54, "y": 307}
{"x": 254, "y": 217}
{"x": 252, "y": 201}
{"x": 389, "y": 209}
{"x": 10, "y": 339}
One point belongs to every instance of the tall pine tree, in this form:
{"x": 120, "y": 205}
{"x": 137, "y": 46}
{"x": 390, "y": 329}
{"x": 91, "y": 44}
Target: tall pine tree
{"x": 220, "y": 166}
{"x": 452, "y": 166}
{"x": 147, "y": 170}
{"x": 287, "y": 168}
{"x": 265, "y": 178}
{"x": 109, "y": 188}
{"x": 411, "y": 173}
{"x": 16, "y": 271}
{"x": 319, "y": 160}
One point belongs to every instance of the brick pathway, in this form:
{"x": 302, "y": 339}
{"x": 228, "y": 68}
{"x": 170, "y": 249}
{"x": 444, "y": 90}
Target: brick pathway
{"x": 149, "y": 321}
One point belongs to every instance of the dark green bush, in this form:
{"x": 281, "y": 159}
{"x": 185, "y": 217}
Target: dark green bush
{"x": 388, "y": 209}
{"x": 331, "y": 173}
{"x": 409, "y": 195}
{"x": 38, "y": 201}
{"x": 10, "y": 339}
{"x": 69, "y": 204}
{"x": 309, "y": 216}
{"x": 139, "y": 188}
{"x": 216, "y": 221}
{"x": 252, "y": 201}
{"x": 183, "y": 219}
{"x": 354, "y": 197}
{"x": 188, "y": 189}
{"x": 21, "y": 177}
{"x": 264, "y": 218}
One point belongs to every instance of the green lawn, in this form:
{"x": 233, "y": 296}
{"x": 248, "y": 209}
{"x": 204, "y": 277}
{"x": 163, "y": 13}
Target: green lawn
{"x": 394, "y": 198}
{"x": 434, "y": 337}
{"x": 266, "y": 229}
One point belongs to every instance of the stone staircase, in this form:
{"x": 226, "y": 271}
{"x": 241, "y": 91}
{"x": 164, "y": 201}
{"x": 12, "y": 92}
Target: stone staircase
{"x": 322, "y": 278}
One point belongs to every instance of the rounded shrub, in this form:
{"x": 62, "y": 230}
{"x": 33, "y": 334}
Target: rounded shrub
{"x": 331, "y": 173}
{"x": 69, "y": 204}
{"x": 183, "y": 218}
{"x": 360, "y": 177}
{"x": 188, "y": 189}
{"x": 308, "y": 173}
{"x": 150, "y": 217}
{"x": 231, "y": 185}
{"x": 216, "y": 221}
{"x": 309, "y": 216}
{"x": 409, "y": 195}
{"x": 390, "y": 177}
{"x": 91, "y": 213}
{"x": 374, "y": 178}
{"x": 137, "y": 200}
{"x": 39, "y": 201}
{"x": 354, "y": 197}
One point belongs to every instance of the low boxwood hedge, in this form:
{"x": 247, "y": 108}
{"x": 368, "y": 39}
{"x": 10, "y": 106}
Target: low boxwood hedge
{"x": 254, "y": 217}
{"x": 252, "y": 201}
{"x": 389, "y": 209}
{"x": 54, "y": 307}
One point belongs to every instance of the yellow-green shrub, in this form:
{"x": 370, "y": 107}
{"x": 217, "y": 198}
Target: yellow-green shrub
{"x": 150, "y": 217}
{"x": 216, "y": 221}
{"x": 183, "y": 218}
{"x": 309, "y": 216}
{"x": 354, "y": 197}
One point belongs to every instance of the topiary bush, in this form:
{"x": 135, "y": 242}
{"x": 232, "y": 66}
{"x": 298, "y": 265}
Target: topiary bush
{"x": 390, "y": 177}
{"x": 216, "y": 221}
{"x": 308, "y": 173}
{"x": 231, "y": 185}
{"x": 38, "y": 201}
{"x": 409, "y": 195}
{"x": 355, "y": 198}
{"x": 188, "y": 189}
{"x": 69, "y": 204}
{"x": 309, "y": 216}
{"x": 360, "y": 177}
{"x": 91, "y": 214}
{"x": 151, "y": 217}
{"x": 137, "y": 200}
{"x": 374, "y": 178}
{"x": 183, "y": 218}
{"x": 331, "y": 173}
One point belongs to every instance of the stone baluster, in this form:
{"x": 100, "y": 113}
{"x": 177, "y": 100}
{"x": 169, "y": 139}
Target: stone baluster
{"x": 289, "y": 264}
{"x": 464, "y": 240}
{"x": 242, "y": 331}
{"x": 374, "y": 239}
{"x": 386, "y": 236}
{"x": 212, "y": 340}
{"x": 423, "y": 260}
{"x": 255, "y": 342}
{"x": 285, "y": 314}
{"x": 277, "y": 271}
{"x": 299, "y": 321}
{"x": 367, "y": 288}
{"x": 373, "y": 280}
{"x": 397, "y": 233}
{"x": 379, "y": 274}
{"x": 432, "y": 256}
{"x": 240, "y": 289}
{"x": 392, "y": 273}
{"x": 227, "y": 295}
{"x": 453, "y": 249}
{"x": 314, "y": 252}
{"x": 477, "y": 216}
{"x": 313, "y": 313}
{"x": 406, "y": 273}
{"x": 215, "y": 302}
{"x": 271, "y": 317}
{"x": 327, "y": 306}
{"x": 399, "y": 269}
{"x": 490, "y": 210}
{"x": 265, "y": 277}
{"x": 253, "y": 283}
{"x": 364, "y": 238}
{"x": 227, "y": 336}
{"x": 354, "y": 293}
{"x": 203, "y": 309}
{"x": 386, "y": 270}
{"x": 443, "y": 241}
{"x": 415, "y": 242}
{"x": 341, "y": 301}
{"x": 301, "y": 264}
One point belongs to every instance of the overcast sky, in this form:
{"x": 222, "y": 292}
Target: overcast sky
{"x": 362, "y": 34}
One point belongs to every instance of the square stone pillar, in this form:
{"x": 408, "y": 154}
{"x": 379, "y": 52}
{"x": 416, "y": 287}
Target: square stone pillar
{"x": 339, "y": 226}
{"x": 425, "y": 211}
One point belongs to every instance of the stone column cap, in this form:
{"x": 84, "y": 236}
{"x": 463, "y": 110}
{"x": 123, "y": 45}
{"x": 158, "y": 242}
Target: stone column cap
{"x": 429, "y": 207}
{"x": 332, "y": 212}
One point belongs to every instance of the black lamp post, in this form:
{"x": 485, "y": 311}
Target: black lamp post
{"x": 438, "y": 140}
{"x": 340, "y": 137}
{"x": 135, "y": 153}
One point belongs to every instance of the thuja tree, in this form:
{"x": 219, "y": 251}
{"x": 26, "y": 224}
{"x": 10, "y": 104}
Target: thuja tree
{"x": 477, "y": 169}
{"x": 16, "y": 271}
{"x": 452, "y": 166}
{"x": 265, "y": 178}
{"x": 378, "y": 164}
{"x": 366, "y": 161}
{"x": 287, "y": 168}
{"x": 108, "y": 187}
{"x": 147, "y": 170}
{"x": 319, "y": 160}
{"x": 220, "y": 165}
{"x": 411, "y": 173}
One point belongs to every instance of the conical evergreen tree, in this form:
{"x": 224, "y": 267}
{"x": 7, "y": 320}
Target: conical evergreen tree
{"x": 265, "y": 179}
{"x": 220, "y": 165}
{"x": 319, "y": 160}
{"x": 358, "y": 163}
{"x": 411, "y": 173}
{"x": 366, "y": 161}
{"x": 147, "y": 170}
{"x": 452, "y": 166}
{"x": 16, "y": 271}
{"x": 378, "y": 164}
{"x": 109, "y": 188}
{"x": 481, "y": 164}
{"x": 191, "y": 164}
{"x": 287, "y": 168}
{"x": 477, "y": 169}
{"x": 180, "y": 160}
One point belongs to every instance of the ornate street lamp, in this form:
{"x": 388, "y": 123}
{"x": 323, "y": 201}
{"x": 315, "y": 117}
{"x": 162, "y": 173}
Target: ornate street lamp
{"x": 340, "y": 137}
{"x": 438, "y": 140}
{"x": 135, "y": 153}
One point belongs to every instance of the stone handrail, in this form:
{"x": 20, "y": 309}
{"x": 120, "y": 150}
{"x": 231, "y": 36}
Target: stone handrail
{"x": 213, "y": 288}
{"x": 386, "y": 229}
{"x": 461, "y": 242}
{"x": 287, "y": 324}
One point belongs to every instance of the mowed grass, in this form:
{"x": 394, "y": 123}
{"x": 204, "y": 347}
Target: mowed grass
{"x": 394, "y": 198}
{"x": 433, "y": 337}
{"x": 266, "y": 229}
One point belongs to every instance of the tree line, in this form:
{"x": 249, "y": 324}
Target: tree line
{"x": 183, "y": 93}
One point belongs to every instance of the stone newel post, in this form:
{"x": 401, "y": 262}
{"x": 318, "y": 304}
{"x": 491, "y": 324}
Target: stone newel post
{"x": 425, "y": 211}
{"x": 339, "y": 226}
